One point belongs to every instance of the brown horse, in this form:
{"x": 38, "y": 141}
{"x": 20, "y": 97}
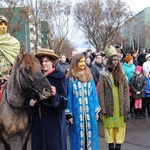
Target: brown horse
{"x": 26, "y": 76}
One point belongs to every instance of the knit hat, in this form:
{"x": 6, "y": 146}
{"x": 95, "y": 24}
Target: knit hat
{"x": 2, "y": 18}
{"x": 110, "y": 51}
{"x": 128, "y": 58}
{"x": 138, "y": 68}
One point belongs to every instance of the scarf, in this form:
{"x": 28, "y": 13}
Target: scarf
{"x": 137, "y": 83}
{"x": 9, "y": 47}
{"x": 80, "y": 75}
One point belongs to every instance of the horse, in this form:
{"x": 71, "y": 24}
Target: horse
{"x": 26, "y": 75}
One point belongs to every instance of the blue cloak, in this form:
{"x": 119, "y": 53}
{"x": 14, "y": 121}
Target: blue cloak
{"x": 48, "y": 129}
{"x": 83, "y": 107}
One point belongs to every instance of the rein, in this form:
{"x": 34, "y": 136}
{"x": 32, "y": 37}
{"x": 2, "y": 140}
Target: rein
{"x": 31, "y": 86}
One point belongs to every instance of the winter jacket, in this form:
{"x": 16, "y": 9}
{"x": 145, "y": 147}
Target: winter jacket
{"x": 106, "y": 95}
{"x": 62, "y": 66}
{"x": 137, "y": 83}
{"x": 99, "y": 67}
{"x": 146, "y": 66}
{"x": 95, "y": 73}
{"x": 147, "y": 89}
{"x": 129, "y": 70}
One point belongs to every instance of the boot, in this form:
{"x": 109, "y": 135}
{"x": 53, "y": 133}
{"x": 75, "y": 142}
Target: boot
{"x": 140, "y": 113}
{"x": 111, "y": 146}
{"x": 148, "y": 111}
{"x": 118, "y": 147}
{"x": 136, "y": 114}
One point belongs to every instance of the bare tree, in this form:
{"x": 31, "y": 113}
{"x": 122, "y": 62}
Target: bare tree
{"x": 17, "y": 20}
{"x": 127, "y": 30}
{"x": 8, "y": 9}
{"x": 56, "y": 13}
{"x": 136, "y": 29}
{"x": 35, "y": 8}
{"x": 147, "y": 36}
{"x": 100, "y": 21}
{"x": 10, "y": 3}
{"x": 67, "y": 47}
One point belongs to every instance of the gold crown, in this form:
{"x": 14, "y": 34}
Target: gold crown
{"x": 109, "y": 51}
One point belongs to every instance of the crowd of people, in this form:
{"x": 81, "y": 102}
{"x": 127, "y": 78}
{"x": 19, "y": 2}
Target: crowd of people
{"x": 122, "y": 84}
{"x": 108, "y": 85}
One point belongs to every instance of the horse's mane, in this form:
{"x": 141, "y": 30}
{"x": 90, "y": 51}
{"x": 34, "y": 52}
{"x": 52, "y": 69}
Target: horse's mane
{"x": 28, "y": 60}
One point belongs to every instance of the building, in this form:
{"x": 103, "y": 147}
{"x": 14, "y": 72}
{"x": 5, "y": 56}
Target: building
{"x": 136, "y": 30}
{"x": 22, "y": 26}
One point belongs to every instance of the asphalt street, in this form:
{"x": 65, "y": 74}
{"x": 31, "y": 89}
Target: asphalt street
{"x": 137, "y": 136}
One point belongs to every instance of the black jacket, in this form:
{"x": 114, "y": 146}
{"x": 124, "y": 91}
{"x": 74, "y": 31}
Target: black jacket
{"x": 95, "y": 73}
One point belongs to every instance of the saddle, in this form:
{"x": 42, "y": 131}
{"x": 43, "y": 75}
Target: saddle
{"x": 3, "y": 86}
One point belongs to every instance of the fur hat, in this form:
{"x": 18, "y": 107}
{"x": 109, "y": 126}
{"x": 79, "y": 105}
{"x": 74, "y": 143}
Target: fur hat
{"x": 138, "y": 68}
{"x": 128, "y": 58}
{"x": 2, "y": 18}
{"x": 46, "y": 52}
{"x": 110, "y": 51}
{"x": 148, "y": 55}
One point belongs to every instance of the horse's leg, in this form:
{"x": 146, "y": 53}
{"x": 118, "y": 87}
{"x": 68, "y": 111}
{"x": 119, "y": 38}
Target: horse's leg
{"x": 5, "y": 140}
{"x": 24, "y": 138}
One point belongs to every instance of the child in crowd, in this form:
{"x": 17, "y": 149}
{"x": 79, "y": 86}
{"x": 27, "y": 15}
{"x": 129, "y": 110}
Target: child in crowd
{"x": 138, "y": 84}
{"x": 146, "y": 100}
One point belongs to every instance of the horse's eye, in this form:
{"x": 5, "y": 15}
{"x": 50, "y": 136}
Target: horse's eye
{"x": 28, "y": 69}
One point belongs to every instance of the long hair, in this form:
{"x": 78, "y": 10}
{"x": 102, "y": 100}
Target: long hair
{"x": 116, "y": 72}
{"x": 74, "y": 66}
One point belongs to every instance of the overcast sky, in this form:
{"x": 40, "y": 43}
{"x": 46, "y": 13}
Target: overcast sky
{"x": 138, "y": 5}
{"x": 76, "y": 36}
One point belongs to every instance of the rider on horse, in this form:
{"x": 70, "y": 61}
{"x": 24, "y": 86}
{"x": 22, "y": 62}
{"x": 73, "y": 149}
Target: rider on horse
{"x": 9, "y": 49}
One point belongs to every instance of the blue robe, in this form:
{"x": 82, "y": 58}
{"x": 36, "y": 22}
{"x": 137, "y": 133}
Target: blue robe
{"x": 83, "y": 107}
{"x": 48, "y": 132}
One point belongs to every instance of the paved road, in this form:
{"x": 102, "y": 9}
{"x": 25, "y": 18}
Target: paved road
{"x": 137, "y": 136}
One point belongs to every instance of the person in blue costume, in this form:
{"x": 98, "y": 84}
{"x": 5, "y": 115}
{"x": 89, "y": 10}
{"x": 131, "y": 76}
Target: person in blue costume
{"x": 83, "y": 107}
{"x": 114, "y": 100}
{"x": 48, "y": 127}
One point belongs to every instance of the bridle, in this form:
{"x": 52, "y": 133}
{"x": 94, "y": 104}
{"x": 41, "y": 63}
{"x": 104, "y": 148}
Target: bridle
{"x": 31, "y": 86}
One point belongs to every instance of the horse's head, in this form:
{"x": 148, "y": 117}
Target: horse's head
{"x": 31, "y": 77}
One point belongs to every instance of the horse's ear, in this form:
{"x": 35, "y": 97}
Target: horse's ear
{"x": 21, "y": 52}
